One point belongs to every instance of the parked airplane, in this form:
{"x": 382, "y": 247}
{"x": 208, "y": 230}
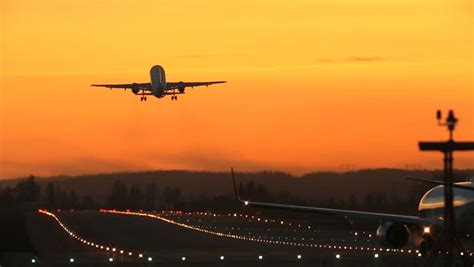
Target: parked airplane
{"x": 157, "y": 86}
{"x": 396, "y": 230}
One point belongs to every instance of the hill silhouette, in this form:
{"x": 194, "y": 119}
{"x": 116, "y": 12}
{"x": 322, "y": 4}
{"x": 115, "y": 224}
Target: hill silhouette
{"x": 312, "y": 187}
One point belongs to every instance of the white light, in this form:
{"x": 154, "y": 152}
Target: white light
{"x": 260, "y": 257}
{"x": 111, "y": 259}
{"x": 462, "y": 253}
{"x": 33, "y": 261}
{"x": 338, "y": 256}
{"x": 246, "y": 203}
{"x": 222, "y": 258}
{"x": 150, "y": 259}
{"x": 298, "y": 257}
{"x": 426, "y": 230}
{"x": 183, "y": 258}
{"x": 355, "y": 233}
{"x": 419, "y": 254}
{"x": 376, "y": 255}
{"x": 71, "y": 260}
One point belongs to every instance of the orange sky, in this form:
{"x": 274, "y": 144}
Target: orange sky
{"x": 312, "y": 85}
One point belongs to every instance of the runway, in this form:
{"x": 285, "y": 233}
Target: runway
{"x": 178, "y": 238}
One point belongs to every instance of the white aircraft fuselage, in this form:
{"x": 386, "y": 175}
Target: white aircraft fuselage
{"x": 432, "y": 206}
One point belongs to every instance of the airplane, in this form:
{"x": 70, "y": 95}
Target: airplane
{"x": 157, "y": 86}
{"x": 399, "y": 231}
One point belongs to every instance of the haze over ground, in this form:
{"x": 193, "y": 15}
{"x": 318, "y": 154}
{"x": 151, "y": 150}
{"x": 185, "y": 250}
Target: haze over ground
{"x": 330, "y": 85}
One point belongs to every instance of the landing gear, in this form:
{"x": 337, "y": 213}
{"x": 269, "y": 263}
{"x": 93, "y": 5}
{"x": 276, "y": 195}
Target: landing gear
{"x": 143, "y": 98}
{"x": 174, "y": 97}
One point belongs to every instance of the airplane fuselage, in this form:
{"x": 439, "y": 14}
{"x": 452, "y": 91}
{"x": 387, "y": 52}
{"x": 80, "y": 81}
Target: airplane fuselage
{"x": 158, "y": 81}
{"x": 432, "y": 206}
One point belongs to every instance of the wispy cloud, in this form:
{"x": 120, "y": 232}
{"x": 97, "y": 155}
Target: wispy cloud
{"x": 351, "y": 59}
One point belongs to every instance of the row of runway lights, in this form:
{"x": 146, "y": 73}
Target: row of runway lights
{"x": 251, "y": 218}
{"x": 255, "y": 239}
{"x": 234, "y": 236}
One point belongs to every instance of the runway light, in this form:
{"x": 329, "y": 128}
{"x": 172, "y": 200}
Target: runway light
{"x": 376, "y": 255}
{"x": 221, "y": 258}
{"x": 426, "y": 230}
{"x": 298, "y": 257}
{"x": 260, "y": 257}
{"x": 338, "y": 256}
{"x": 150, "y": 259}
{"x": 183, "y": 258}
{"x": 140, "y": 255}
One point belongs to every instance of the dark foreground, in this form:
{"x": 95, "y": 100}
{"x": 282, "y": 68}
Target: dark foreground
{"x": 238, "y": 239}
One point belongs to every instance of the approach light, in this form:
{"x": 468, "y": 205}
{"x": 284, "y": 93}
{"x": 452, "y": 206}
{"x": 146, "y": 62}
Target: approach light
{"x": 140, "y": 255}
{"x": 33, "y": 260}
{"x": 183, "y": 258}
{"x": 376, "y": 255}
{"x": 246, "y": 202}
{"x": 419, "y": 254}
{"x": 260, "y": 257}
{"x": 298, "y": 257}
{"x": 150, "y": 259}
{"x": 221, "y": 258}
{"x": 338, "y": 256}
{"x": 71, "y": 260}
{"x": 111, "y": 259}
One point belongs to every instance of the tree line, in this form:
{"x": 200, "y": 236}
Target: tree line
{"x": 158, "y": 197}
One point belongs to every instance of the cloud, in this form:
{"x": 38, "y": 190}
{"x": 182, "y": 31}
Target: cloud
{"x": 351, "y": 59}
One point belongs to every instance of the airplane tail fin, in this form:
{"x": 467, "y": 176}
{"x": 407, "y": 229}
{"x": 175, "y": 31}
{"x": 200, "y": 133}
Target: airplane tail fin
{"x": 236, "y": 191}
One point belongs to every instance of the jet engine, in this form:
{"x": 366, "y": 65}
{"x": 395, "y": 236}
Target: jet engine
{"x": 395, "y": 235}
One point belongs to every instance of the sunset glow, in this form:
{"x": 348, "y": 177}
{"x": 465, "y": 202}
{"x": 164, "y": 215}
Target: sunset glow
{"x": 312, "y": 85}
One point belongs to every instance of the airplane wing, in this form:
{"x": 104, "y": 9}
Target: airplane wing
{"x": 361, "y": 215}
{"x": 132, "y": 86}
{"x": 181, "y": 85}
